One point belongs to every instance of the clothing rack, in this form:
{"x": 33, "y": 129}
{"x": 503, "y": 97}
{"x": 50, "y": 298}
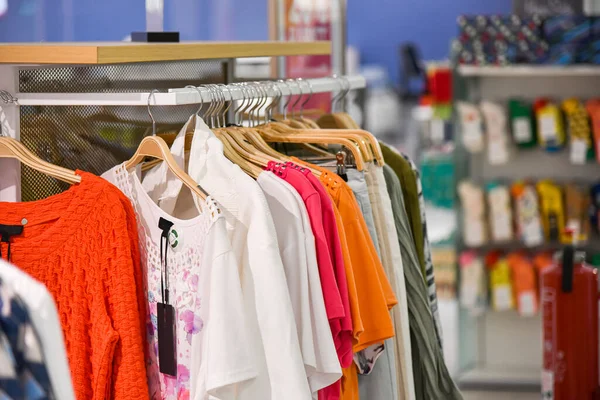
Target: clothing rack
{"x": 188, "y": 95}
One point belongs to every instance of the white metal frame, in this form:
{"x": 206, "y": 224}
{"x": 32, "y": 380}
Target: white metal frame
{"x": 182, "y": 96}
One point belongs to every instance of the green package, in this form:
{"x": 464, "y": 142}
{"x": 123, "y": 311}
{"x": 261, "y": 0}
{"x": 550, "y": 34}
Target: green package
{"x": 522, "y": 123}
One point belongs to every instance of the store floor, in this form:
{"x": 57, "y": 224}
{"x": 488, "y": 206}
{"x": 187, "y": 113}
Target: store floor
{"x": 470, "y": 395}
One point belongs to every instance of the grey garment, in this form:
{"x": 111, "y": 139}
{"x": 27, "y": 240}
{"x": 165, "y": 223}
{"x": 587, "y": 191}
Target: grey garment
{"x": 431, "y": 376}
{"x": 358, "y": 184}
{"x": 381, "y": 382}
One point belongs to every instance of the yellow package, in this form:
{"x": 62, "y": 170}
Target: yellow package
{"x": 551, "y": 130}
{"x": 580, "y": 133}
{"x": 551, "y": 204}
{"x": 501, "y": 286}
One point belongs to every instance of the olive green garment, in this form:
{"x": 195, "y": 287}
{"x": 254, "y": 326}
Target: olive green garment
{"x": 410, "y": 192}
{"x": 431, "y": 376}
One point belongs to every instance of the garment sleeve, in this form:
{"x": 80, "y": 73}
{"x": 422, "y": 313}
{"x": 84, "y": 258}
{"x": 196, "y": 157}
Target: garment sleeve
{"x": 128, "y": 363}
{"x": 228, "y": 359}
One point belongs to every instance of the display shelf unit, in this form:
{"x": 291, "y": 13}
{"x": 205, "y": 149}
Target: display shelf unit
{"x": 131, "y": 52}
{"x": 529, "y": 70}
{"x": 501, "y": 348}
{"x": 84, "y": 105}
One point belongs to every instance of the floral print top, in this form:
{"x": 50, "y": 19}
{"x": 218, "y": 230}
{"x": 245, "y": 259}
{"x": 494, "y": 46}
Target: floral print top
{"x": 200, "y": 265}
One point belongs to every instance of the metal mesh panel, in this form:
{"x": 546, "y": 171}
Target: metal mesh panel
{"x": 96, "y": 138}
{"x": 140, "y": 77}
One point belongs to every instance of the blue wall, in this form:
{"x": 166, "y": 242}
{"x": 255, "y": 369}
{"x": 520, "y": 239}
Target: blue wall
{"x": 377, "y": 27}
{"x": 105, "y": 20}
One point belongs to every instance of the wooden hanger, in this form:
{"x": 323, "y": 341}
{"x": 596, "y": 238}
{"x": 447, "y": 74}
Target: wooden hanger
{"x": 12, "y": 148}
{"x": 154, "y": 146}
{"x": 352, "y": 135}
{"x": 309, "y": 138}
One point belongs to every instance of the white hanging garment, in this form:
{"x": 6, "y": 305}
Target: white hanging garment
{"x": 268, "y": 307}
{"x": 44, "y": 317}
{"x": 215, "y": 356}
{"x": 304, "y": 283}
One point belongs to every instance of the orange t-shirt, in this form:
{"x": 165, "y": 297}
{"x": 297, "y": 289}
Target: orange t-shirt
{"x": 373, "y": 290}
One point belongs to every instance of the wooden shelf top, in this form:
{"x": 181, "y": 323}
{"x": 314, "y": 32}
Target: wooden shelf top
{"x": 129, "y": 52}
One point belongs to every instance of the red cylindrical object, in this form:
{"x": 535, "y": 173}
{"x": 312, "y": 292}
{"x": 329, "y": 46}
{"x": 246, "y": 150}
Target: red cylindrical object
{"x": 570, "y": 330}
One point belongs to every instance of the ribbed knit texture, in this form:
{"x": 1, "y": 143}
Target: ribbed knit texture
{"x": 82, "y": 244}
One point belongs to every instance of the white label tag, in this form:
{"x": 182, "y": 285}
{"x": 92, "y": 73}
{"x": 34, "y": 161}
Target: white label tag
{"x": 474, "y": 233}
{"x": 522, "y": 130}
{"x": 527, "y": 307}
{"x": 503, "y": 298}
{"x": 548, "y": 128}
{"x": 532, "y": 233}
{"x": 547, "y": 385}
{"x": 578, "y": 151}
{"x": 497, "y": 151}
{"x": 502, "y": 227}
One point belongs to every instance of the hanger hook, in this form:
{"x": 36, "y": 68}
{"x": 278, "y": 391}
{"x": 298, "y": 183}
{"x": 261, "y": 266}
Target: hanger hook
{"x": 348, "y": 87}
{"x": 221, "y": 105}
{"x": 228, "y": 106}
{"x": 199, "y": 94}
{"x": 275, "y": 102}
{"x": 309, "y": 97}
{"x": 150, "y": 112}
{"x": 264, "y": 98}
{"x": 285, "y": 106}
{"x": 299, "y": 97}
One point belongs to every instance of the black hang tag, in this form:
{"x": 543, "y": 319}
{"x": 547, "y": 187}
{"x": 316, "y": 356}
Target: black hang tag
{"x": 6, "y": 231}
{"x": 164, "y": 225}
{"x": 167, "y": 355}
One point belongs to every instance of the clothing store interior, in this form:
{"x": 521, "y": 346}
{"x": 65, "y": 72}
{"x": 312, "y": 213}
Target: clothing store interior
{"x": 299, "y": 199}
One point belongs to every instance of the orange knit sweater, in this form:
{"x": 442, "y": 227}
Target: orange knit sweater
{"x": 82, "y": 244}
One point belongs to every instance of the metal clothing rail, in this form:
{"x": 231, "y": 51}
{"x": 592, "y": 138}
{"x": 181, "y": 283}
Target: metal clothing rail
{"x": 182, "y": 96}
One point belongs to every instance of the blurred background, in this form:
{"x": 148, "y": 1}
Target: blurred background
{"x": 460, "y": 86}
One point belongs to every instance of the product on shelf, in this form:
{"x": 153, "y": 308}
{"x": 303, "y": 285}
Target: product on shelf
{"x": 496, "y": 132}
{"x": 527, "y": 214}
{"x": 593, "y": 109}
{"x": 580, "y": 134}
{"x": 524, "y": 284}
{"x": 549, "y": 121}
{"x": 470, "y": 124}
{"x": 577, "y": 206}
{"x": 472, "y": 200}
{"x": 500, "y": 212}
{"x": 569, "y": 37}
{"x": 522, "y": 123}
{"x": 500, "y": 40}
{"x": 500, "y": 283}
{"x": 473, "y": 283}
{"x": 551, "y": 204}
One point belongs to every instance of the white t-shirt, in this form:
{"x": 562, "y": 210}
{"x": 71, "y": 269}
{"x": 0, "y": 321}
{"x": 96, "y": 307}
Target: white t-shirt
{"x": 267, "y": 304}
{"x": 304, "y": 284}
{"x": 214, "y": 355}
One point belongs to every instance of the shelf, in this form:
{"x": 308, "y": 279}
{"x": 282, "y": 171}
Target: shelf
{"x": 129, "y": 52}
{"x": 529, "y": 71}
{"x": 501, "y": 377}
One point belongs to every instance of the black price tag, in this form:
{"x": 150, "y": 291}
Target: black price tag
{"x": 167, "y": 349}
{"x": 7, "y": 231}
